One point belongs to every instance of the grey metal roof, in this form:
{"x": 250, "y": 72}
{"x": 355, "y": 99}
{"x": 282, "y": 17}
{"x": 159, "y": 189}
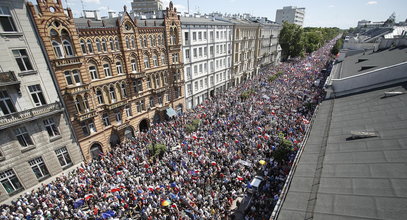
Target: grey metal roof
{"x": 353, "y": 179}
{"x": 83, "y": 23}
{"x": 353, "y": 64}
{"x": 202, "y": 20}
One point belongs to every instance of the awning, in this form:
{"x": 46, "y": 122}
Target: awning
{"x": 171, "y": 112}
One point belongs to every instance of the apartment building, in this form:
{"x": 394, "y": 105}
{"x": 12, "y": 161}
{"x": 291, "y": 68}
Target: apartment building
{"x": 270, "y": 50}
{"x": 116, "y": 75}
{"x": 36, "y": 140}
{"x": 207, "y": 57}
{"x": 290, "y": 14}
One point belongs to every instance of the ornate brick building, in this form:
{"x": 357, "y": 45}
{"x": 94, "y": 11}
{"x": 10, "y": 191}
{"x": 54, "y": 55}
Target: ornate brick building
{"x": 116, "y": 75}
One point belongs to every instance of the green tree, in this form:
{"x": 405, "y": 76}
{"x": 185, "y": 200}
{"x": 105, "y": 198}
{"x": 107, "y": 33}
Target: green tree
{"x": 157, "y": 149}
{"x": 312, "y": 41}
{"x": 291, "y": 40}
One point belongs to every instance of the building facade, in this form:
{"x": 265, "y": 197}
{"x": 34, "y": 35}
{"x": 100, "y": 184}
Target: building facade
{"x": 116, "y": 75}
{"x": 290, "y": 14}
{"x": 36, "y": 139}
{"x": 245, "y": 50}
{"x": 270, "y": 50}
{"x": 146, "y": 6}
{"x": 207, "y": 58}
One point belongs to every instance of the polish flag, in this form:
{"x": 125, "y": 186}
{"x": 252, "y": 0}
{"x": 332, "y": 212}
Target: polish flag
{"x": 115, "y": 190}
{"x": 119, "y": 172}
{"x": 305, "y": 121}
{"x": 194, "y": 137}
{"x": 239, "y": 178}
{"x": 266, "y": 136}
{"x": 213, "y": 163}
{"x": 88, "y": 196}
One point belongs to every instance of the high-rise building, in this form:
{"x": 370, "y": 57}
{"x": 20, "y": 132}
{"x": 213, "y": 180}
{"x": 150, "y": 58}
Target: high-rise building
{"x": 207, "y": 48}
{"x": 290, "y": 14}
{"x": 36, "y": 141}
{"x": 117, "y": 75}
{"x": 146, "y": 6}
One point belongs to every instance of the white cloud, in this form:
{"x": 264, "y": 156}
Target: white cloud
{"x": 372, "y": 3}
{"x": 92, "y": 1}
{"x": 331, "y": 6}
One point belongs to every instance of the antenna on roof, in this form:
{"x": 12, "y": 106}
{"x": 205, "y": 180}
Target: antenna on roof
{"x": 83, "y": 7}
{"x": 188, "y": 6}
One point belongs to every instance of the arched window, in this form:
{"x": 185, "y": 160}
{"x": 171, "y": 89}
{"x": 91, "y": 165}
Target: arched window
{"x": 141, "y": 41}
{"x": 163, "y": 59}
{"x": 90, "y": 47}
{"x": 119, "y": 67}
{"x": 98, "y": 45}
{"x": 86, "y": 103}
{"x": 93, "y": 72}
{"x": 151, "y": 41}
{"x": 99, "y": 96}
{"x": 133, "y": 65}
{"x": 53, "y": 33}
{"x": 112, "y": 94}
{"x": 127, "y": 43}
{"x": 145, "y": 41}
{"x": 159, "y": 40}
{"x": 78, "y": 104}
{"x": 83, "y": 46}
{"x": 57, "y": 49}
{"x": 106, "y": 70}
{"x": 154, "y": 41}
{"x": 67, "y": 48}
{"x": 112, "y": 44}
{"x": 155, "y": 60}
{"x": 146, "y": 62}
{"x": 172, "y": 36}
{"x": 116, "y": 42}
{"x": 72, "y": 77}
{"x": 157, "y": 81}
{"x": 123, "y": 88}
{"x": 133, "y": 42}
{"x": 104, "y": 45}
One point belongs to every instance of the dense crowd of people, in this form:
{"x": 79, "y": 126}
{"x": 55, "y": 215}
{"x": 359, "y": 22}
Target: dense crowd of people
{"x": 203, "y": 171}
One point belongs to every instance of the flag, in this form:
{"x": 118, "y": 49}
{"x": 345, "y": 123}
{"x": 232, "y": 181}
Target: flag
{"x": 305, "y": 121}
{"x": 78, "y": 203}
{"x": 239, "y": 178}
{"x": 115, "y": 190}
{"x": 88, "y": 196}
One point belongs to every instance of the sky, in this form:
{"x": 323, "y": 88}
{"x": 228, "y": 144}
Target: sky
{"x": 318, "y": 13}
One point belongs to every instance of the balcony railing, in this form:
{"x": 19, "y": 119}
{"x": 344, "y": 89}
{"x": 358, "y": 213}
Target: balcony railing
{"x": 115, "y": 105}
{"x": 119, "y": 127}
{"x": 159, "y": 90}
{"x": 67, "y": 61}
{"x": 8, "y": 78}
{"x": 175, "y": 47}
{"x": 28, "y": 115}
{"x": 77, "y": 89}
{"x": 86, "y": 115}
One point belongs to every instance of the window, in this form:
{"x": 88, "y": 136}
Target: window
{"x": 138, "y": 85}
{"x": 175, "y": 58}
{"x": 189, "y": 76}
{"x": 163, "y": 58}
{"x": 194, "y": 36}
{"x": 118, "y": 117}
{"x": 123, "y": 89}
{"x": 152, "y": 104}
{"x": 67, "y": 48}
{"x": 146, "y": 62}
{"x": 72, "y": 77}
{"x": 51, "y": 127}
{"x": 127, "y": 109}
{"x": 189, "y": 89}
{"x": 93, "y": 72}
{"x": 63, "y": 157}
{"x": 195, "y": 52}
{"x": 10, "y": 181}
{"x": 112, "y": 94}
{"x": 98, "y": 45}
{"x": 133, "y": 42}
{"x": 195, "y": 70}
{"x": 127, "y": 43}
{"x": 39, "y": 168}
{"x": 23, "y": 137}
{"x": 205, "y": 35}
{"x": 200, "y": 52}
{"x": 149, "y": 83}
{"x": 116, "y": 42}
{"x": 90, "y": 47}
{"x": 106, "y": 70}
{"x": 83, "y": 46}
{"x": 186, "y": 38}
{"x": 6, "y": 104}
{"x": 160, "y": 100}
{"x": 187, "y": 54}
{"x": 104, "y": 45}
{"x": 36, "y": 95}
{"x": 145, "y": 41}
{"x": 200, "y": 68}
{"x": 157, "y": 81}
{"x": 99, "y": 96}
{"x": 105, "y": 119}
{"x": 196, "y": 86}
{"x": 205, "y": 67}
{"x": 57, "y": 49}
{"x": 133, "y": 65}
{"x": 22, "y": 60}
{"x": 160, "y": 40}
{"x": 6, "y": 20}
{"x": 119, "y": 67}
{"x": 199, "y": 35}
{"x": 138, "y": 106}
{"x": 155, "y": 60}
{"x": 205, "y": 51}
{"x": 111, "y": 44}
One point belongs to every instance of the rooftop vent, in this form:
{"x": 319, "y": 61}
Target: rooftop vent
{"x": 362, "y": 134}
{"x": 390, "y": 94}
{"x": 366, "y": 67}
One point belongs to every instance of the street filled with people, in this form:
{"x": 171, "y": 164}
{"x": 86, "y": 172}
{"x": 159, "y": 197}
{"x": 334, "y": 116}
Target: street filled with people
{"x": 211, "y": 155}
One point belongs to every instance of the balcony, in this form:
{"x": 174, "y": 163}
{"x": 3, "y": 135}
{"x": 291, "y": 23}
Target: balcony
{"x": 115, "y": 105}
{"x": 77, "y": 89}
{"x": 177, "y": 66}
{"x": 8, "y": 79}
{"x": 67, "y": 61}
{"x": 86, "y": 115}
{"x": 119, "y": 127}
{"x": 29, "y": 115}
{"x": 175, "y": 47}
{"x": 159, "y": 90}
